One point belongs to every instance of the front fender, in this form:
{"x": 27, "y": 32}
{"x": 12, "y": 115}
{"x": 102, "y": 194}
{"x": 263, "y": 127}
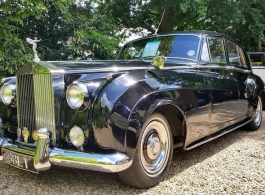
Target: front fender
{"x": 183, "y": 100}
{"x": 112, "y": 108}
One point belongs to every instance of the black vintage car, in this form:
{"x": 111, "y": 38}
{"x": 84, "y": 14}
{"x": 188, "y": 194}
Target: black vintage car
{"x": 126, "y": 115}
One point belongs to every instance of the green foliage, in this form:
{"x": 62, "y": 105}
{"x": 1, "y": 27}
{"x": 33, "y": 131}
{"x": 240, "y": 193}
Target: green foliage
{"x": 243, "y": 20}
{"x": 16, "y": 21}
{"x": 94, "y": 35}
{"x": 67, "y": 31}
{"x": 92, "y": 29}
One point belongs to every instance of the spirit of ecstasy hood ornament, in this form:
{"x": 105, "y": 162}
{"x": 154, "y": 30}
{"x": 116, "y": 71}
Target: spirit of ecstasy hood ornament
{"x": 34, "y": 46}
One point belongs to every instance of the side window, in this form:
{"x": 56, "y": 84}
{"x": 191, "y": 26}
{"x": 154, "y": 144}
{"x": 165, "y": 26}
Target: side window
{"x": 205, "y": 51}
{"x": 233, "y": 55}
{"x": 216, "y": 48}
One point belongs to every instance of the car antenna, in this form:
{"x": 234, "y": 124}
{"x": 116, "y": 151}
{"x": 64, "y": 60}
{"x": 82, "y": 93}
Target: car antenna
{"x": 160, "y": 22}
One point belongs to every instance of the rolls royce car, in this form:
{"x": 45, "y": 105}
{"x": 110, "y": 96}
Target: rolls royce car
{"x": 126, "y": 115}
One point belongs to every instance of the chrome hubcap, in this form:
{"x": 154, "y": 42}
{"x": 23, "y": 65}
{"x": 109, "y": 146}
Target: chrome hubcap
{"x": 155, "y": 148}
{"x": 258, "y": 114}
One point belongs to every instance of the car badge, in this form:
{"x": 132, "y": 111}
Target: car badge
{"x": 35, "y": 135}
{"x": 18, "y": 134}
{"x": 34, "y": 47}
{"x": 25, "y": 133}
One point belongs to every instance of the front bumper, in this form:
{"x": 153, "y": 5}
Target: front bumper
{"x": 43, "y": 156}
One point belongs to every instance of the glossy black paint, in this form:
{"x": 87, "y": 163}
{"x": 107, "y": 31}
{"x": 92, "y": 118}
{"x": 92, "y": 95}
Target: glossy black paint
{"x": 198, "y": 99}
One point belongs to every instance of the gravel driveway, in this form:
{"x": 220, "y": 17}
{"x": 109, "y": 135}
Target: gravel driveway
{"x": 232, "y": 164}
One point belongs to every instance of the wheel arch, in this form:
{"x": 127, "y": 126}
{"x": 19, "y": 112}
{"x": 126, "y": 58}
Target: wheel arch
{"x": 175, "y": 117}
{"x": 176, "y": 120}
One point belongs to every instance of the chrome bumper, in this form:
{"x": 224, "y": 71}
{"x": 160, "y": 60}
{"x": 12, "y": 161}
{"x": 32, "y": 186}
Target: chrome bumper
{"x": 44, "y": 156}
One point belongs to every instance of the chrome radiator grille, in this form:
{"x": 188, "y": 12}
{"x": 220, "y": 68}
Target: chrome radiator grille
{"x": 35, "y": 103}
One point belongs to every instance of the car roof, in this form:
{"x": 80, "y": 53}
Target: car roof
{"x": 197, "y": 33}
{"x": 201, "y": 33}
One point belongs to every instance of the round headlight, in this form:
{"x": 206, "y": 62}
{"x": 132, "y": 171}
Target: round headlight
{"x": 77, "y": 136}
{"x": 8, "y": 92}
{"x": 77, "y": 96}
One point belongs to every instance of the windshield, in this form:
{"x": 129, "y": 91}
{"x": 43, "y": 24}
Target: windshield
{"x": 177, "y": 46}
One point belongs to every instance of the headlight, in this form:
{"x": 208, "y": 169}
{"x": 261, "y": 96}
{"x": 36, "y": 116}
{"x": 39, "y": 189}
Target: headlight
{"x": 77, "y": 136}
{"x": 8, "y": 92}
{"x": 77, "y": 96}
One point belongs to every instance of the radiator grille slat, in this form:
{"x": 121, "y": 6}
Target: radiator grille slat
{"x": 35, "y": 103}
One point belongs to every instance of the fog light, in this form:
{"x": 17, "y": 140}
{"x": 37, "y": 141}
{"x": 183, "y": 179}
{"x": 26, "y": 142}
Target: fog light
{"x": 77, "y": 136}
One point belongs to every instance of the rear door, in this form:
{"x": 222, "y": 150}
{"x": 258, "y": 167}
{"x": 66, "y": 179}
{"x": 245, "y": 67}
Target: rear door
{"x": 224, "y": 87}
{"x": 240, "y": 72}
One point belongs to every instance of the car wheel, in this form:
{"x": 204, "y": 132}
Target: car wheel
{"x": 153, "y": 154}
{"x": 256, "y": 122}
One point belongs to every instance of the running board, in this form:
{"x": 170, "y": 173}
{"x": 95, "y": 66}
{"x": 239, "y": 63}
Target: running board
{"x": 217, "y": 134}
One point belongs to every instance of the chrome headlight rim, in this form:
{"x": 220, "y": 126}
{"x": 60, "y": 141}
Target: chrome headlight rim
{"x": 12, "y": 94}
{"x": 83, "y": 96}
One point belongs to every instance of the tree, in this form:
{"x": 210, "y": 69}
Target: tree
{"x": 15, "y": 16}
{"x": 92, "y": 29}
{"x": 67, "y": 29}
{"x": 93, "y": 34}
{"x": 147, "y": 14}
{"x": 244, "y": 20}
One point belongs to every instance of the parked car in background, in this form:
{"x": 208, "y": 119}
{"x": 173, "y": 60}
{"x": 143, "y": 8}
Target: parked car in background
{"x": 258, "y": 63}
{"x": 127, "y": 115}
{"x": 257, "y": 58}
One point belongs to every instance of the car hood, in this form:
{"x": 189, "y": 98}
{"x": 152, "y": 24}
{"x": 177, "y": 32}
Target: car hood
{"x": 97, "y": 66}
{"x": 67, "y": 67}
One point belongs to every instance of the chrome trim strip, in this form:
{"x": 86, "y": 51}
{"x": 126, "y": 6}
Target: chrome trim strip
{"x": 214, "y": 137}
{"x": 176, "y": 67}
{"x": 224, "y": 67}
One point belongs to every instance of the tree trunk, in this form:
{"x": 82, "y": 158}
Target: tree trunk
{"x": 167, "y": 21}
{"x": 259, "y": 45}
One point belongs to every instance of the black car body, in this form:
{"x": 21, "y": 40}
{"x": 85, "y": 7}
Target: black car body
{"x": 126, "y": 115}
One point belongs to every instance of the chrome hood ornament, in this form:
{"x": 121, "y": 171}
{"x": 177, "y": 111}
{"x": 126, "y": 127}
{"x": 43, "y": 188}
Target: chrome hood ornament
{"x": 34, "y": 46}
